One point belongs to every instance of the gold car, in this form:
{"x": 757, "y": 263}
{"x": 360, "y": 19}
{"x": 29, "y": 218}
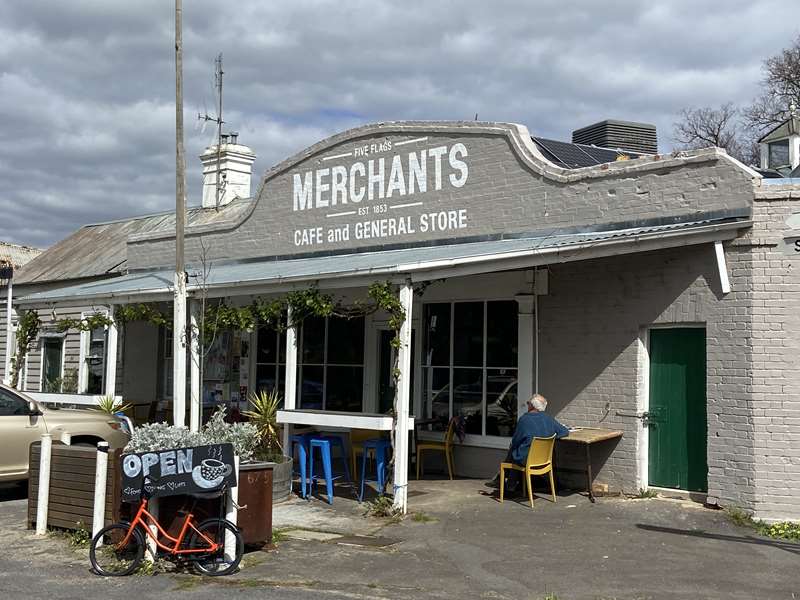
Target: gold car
{"x": 23, "y": 421}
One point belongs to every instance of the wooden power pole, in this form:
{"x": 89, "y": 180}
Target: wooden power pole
{"x": 179, "y": 311}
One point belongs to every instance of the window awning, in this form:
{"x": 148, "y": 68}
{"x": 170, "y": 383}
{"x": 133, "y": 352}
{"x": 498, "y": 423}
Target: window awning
{"x": 419, "y": 263}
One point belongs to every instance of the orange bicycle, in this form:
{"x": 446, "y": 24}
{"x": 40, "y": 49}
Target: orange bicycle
{"x": 118, "y": 549}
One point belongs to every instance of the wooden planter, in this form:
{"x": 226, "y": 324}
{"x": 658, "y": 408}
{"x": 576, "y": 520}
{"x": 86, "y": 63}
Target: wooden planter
{"x": 72, "y": 470}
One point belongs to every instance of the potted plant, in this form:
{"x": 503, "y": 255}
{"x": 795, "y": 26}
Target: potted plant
{"x": 263, "y": 414}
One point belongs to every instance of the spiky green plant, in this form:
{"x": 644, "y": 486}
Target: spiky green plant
{"x": 110, "y": 405}
{"x": 263, "y": 413}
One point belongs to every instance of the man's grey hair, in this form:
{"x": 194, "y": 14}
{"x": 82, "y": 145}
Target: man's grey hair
{"x": 538, "y": 402}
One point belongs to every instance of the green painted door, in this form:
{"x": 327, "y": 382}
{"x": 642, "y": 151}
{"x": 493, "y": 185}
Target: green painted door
{"x": 677, "y": 415}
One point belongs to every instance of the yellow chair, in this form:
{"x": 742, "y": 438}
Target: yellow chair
{"x": 446, "y": 446}
{"x": 539, "y": 462}
{"x": 357, "y": 438}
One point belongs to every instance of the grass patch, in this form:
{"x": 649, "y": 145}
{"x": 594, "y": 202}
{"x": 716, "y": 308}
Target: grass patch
{"x": 784, "y": 530}
{"x": 78, "y": 538}
{"x": 740, "y": 517}
{"x": 279, "y": 535}
{"x": 421, "y": 517}
{"x": 187, "y": 583}
{"x": 643, "y": 493}
{"x": 383, "y": 508}
{"x": 150, "y": 568}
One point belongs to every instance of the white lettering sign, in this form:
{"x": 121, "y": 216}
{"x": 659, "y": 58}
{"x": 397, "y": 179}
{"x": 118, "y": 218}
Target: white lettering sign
{"x": 381, "y": 177}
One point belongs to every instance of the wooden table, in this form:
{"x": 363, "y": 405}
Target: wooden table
{"x": 588, "y": 436}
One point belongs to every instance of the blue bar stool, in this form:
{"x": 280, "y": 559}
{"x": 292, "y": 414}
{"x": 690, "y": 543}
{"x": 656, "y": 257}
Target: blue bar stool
{"x": 336, "y": 441}
{"x": 381, "y": 447}
{"x": 302, "y": 441}
{"x": 324, "y": 446}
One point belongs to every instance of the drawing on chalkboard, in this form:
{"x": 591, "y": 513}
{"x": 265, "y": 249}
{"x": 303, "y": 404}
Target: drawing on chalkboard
{"x": 210, "y": 473}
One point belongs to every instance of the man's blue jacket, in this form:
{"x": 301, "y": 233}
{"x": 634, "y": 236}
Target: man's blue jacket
{"x": 529, "y": 426}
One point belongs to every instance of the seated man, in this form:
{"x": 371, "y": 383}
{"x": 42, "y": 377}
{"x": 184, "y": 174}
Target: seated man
{"x": 534, "y": 423}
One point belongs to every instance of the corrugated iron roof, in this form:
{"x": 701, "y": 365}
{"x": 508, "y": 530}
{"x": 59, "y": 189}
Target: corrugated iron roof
{"x": 16, "y": 255}
{"x": 100, "y": 249}
{"x": 383, "y": 263}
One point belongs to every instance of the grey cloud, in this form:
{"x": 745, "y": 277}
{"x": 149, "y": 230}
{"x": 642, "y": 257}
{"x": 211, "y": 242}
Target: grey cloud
{"x": 87, "y": 87}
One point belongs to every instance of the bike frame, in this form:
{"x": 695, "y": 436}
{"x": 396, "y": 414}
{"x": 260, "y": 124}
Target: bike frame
{"x": 145, "y": 519}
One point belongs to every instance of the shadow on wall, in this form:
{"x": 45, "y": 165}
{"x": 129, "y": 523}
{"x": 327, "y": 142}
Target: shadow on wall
{"x": 589, "y": 329}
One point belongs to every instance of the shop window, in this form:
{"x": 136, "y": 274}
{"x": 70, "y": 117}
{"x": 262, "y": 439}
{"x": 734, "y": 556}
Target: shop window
{"x": 52, "y": 364}
{"x": 270, "y": 360}
{"x": 91, "y": 378}
{"x": 470, "y": 365}
{"x": 778, "y": 154}
{"x": 332, "y": 364}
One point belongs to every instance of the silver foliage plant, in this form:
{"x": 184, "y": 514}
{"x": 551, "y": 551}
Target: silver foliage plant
{"x": 152, "y": 437}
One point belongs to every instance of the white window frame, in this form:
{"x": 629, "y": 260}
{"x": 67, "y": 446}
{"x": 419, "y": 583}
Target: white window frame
{"x": 42, "y": 338}
{"x": 483, "y": 440}
{"x": 86, "y": 338}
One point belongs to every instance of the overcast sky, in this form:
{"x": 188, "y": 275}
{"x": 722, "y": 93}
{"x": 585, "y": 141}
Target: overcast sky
{"x": 87, "y": 87}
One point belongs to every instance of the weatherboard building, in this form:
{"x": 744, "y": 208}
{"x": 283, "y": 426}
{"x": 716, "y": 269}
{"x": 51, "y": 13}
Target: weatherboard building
{"x": 657, "y": 295}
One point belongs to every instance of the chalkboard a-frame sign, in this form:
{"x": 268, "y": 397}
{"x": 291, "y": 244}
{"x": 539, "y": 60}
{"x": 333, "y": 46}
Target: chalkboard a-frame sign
{"x": 178, "y": 471}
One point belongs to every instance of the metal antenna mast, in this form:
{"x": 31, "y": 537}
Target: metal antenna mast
{"x": 218, "y": 120}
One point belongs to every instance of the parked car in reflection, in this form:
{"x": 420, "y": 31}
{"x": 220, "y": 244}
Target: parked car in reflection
{"x": 501, "y": 404}
{"x": 23, "y": 421}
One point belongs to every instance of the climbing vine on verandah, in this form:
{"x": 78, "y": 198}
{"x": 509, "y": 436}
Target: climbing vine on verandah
{"x": 27, "y": 332}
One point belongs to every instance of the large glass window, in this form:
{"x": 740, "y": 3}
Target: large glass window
{"x": 778, "y": 154}
{"x": 332, "y": 364}
{"x": 470, "y": 364}
{"x": 270, "y": 360}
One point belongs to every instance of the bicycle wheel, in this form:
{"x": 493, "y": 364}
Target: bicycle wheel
{"x": 219, "y": 562}
{"x": 108, "y": 555}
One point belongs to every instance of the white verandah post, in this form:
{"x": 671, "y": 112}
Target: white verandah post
{"x": 402, "y": 402}
{"x": 111, "y": 355}
{"x": 290, "y": 389}
{"x": 195, "y": 402}
{"x": 179, "y": 352}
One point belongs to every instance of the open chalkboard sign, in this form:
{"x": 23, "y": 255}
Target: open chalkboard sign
{"x": 178, "y": 471}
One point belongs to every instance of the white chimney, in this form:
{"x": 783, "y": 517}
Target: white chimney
{"x": 235, "y": 166}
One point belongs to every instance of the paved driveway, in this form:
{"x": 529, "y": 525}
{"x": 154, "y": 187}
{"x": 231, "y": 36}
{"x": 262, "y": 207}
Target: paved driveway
{"x": 466, "y": 545}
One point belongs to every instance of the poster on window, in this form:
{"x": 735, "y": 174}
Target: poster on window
{"x": 177, "y": 471}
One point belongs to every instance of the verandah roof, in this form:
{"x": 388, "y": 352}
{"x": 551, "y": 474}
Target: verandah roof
{"x": 418, "y": 263}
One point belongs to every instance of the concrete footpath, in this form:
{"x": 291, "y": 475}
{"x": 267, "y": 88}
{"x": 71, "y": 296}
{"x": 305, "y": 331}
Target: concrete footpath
{"x": 459, "y": 543}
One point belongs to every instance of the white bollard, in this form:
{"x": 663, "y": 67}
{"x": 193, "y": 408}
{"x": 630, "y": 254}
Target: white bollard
{"x": 152, "y": 508}
{"x": 232, "y": 502}
{"x": 100, "y": 476}
{"x": 44, "y": 484}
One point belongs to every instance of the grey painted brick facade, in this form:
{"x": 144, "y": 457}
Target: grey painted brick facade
{"x": 596, "y": 315}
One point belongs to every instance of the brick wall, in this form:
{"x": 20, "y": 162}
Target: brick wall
{"x": 508, "y": 191}
{"x": 775, "y": 385}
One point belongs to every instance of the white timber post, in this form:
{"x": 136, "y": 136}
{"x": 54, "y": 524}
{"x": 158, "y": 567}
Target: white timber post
{"x": 150, "y": 542}
{"x": 290, "y": 390}
{"x": 195, "y": 384}
{"x": 111, "y": 355}
{"x": 232, "y": 502}
{"x": 100, "y": 475}
{"x": 44, "y": 484}
{"x": 9, "y": 333}
{"x": 403, "y": 391}
{"x": 179, "y": 352}
{"x": 525, "y": 356}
